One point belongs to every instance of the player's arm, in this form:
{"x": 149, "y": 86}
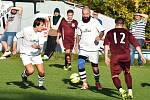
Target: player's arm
{"x": 19, "y": 8}
{"x": 59, "y": 31}
{"x": 100, "y": 30}
{"x": 18, "y": 35}
{"x": 106, "y": 51}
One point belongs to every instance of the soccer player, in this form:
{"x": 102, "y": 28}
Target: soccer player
{"x": 117, "y": 41}
{"x": 89, "y": 33}
{"x": 30, "y": 51}
{"x": 67, "y": 31}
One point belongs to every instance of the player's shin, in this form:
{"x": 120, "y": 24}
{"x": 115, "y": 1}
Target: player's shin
{"x": 40, "y": 80}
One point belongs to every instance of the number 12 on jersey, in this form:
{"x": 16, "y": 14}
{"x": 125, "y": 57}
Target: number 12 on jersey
{"x": 122, "y": 38}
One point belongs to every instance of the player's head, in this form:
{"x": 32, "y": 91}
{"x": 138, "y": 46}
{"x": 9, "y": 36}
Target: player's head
{"x": 119, "y": 22}
{"x": 70, "y": 14}
{"x": 38, "y": 24}
{"x": 86, "y": 14}
{"x": 56, "y": 12}
{"x": 13, "y": 11}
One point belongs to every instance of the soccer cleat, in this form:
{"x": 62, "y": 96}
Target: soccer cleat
{"x": 85, "y": 86}
{"x": 6, "y": 53}
{"x": 65, "y": 68}
{"x": 130, "y": 96}
{"x": 98, "y": 86}
{"x": 24, "y": 80}
{"x": 42, "y": 88}
{"x": 123, "y": 94}
{"x": 45, "y": 57}
{"x": 69, "y": 68}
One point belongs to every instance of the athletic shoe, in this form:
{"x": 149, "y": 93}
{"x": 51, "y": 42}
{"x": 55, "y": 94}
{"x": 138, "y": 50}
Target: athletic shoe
{"x": 98, "y": 86}
{"x": 85, "y": 86}
{"x": 123, "y": 94}
{"x": 130, "y": 96}
{"x": 45, "y": 57}
{"x": 65, "y": 68}
{"x": 2, "y": 58}
{"x": 24, "y": 80}
{"x": 69, "y": 68}
{"x": 6, "y": 53}
{"x": 42, "y": 88}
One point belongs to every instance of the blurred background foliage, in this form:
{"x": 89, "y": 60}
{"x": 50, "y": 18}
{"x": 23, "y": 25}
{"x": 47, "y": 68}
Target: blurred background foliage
{"x": 123, "y": 8}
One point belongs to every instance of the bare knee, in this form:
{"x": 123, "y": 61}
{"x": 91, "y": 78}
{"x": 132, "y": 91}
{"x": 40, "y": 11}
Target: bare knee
{"x": 29, "y": 69}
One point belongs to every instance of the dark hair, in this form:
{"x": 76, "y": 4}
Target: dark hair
{"x": 38, "y": 21}
{"x": 119, "y": 20}
{"x": 70, "y": 11}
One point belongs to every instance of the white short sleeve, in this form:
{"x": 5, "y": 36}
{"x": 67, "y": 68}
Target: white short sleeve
{"x": 99, "y": 26}
{"x": 20, "y": 34}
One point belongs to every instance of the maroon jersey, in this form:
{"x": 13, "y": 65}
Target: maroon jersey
{"x": 119, "y": 40}
{"x": 67, "y": 30}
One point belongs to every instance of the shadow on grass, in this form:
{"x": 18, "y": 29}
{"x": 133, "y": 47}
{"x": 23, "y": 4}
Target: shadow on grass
{"x": 145, "y": 84}
{"x": 106, "y": 91}
{"x": 56, "y": 65}
{"x": 21, "y": 85}
{"x": 72, "y": 85}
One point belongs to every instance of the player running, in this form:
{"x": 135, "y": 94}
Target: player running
{"x": 88, "y": 35}
{"x": 30, "y": 51}
{"x": 67, "y": 31}
{"x": 117, "y": 41}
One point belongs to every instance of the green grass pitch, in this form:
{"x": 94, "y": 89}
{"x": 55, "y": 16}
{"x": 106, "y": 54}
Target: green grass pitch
{"x": 58, "y": 85}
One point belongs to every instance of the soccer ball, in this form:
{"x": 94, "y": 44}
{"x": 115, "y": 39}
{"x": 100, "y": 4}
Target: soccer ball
{"x": 74, "y": 78}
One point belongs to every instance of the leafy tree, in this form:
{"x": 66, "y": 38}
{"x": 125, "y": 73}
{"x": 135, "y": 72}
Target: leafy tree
{"x": 122, "y": 8}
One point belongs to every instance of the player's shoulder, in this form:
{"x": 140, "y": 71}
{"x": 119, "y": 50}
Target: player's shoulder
{"x": 75, "y": 21}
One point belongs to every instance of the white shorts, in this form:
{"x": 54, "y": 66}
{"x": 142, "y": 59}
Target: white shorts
{"x": 26, "y": 59}
{"x": 93, "y": 56}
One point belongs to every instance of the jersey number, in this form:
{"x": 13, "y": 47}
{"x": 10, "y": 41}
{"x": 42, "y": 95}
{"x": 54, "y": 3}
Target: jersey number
{"x": 122, "y": 39}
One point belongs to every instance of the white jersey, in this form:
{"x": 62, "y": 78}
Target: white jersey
{"x": 27, "y": 37}
{"x": 88, "y": 32}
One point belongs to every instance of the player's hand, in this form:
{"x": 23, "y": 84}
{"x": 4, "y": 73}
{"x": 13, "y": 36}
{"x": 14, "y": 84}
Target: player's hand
{"x": 35, "y": 46}
{"x": 107, "y": 61}
{"x": 143, "y": 59}
{"x": 97, "y": 39}
{"x": 57, "y": 41}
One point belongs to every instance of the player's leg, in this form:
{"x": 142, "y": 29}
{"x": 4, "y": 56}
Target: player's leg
{"x": 41, "y": 73}
{"x": 93, "y": 58}
{"x": 67, "y": 59}
{"x": 128, "y": 78}
{"x": 82, "y": 72}
{"x": 115, "y": 71}
{"x": 29, "y": 69}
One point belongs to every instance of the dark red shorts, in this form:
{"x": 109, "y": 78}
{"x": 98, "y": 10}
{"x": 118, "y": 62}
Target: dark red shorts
{"x": 119, "y": 63}
{"x": 68, "y": 45}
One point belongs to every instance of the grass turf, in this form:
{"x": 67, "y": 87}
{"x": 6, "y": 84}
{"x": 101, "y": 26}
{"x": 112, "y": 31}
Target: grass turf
{"x": 58, "y": 85}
